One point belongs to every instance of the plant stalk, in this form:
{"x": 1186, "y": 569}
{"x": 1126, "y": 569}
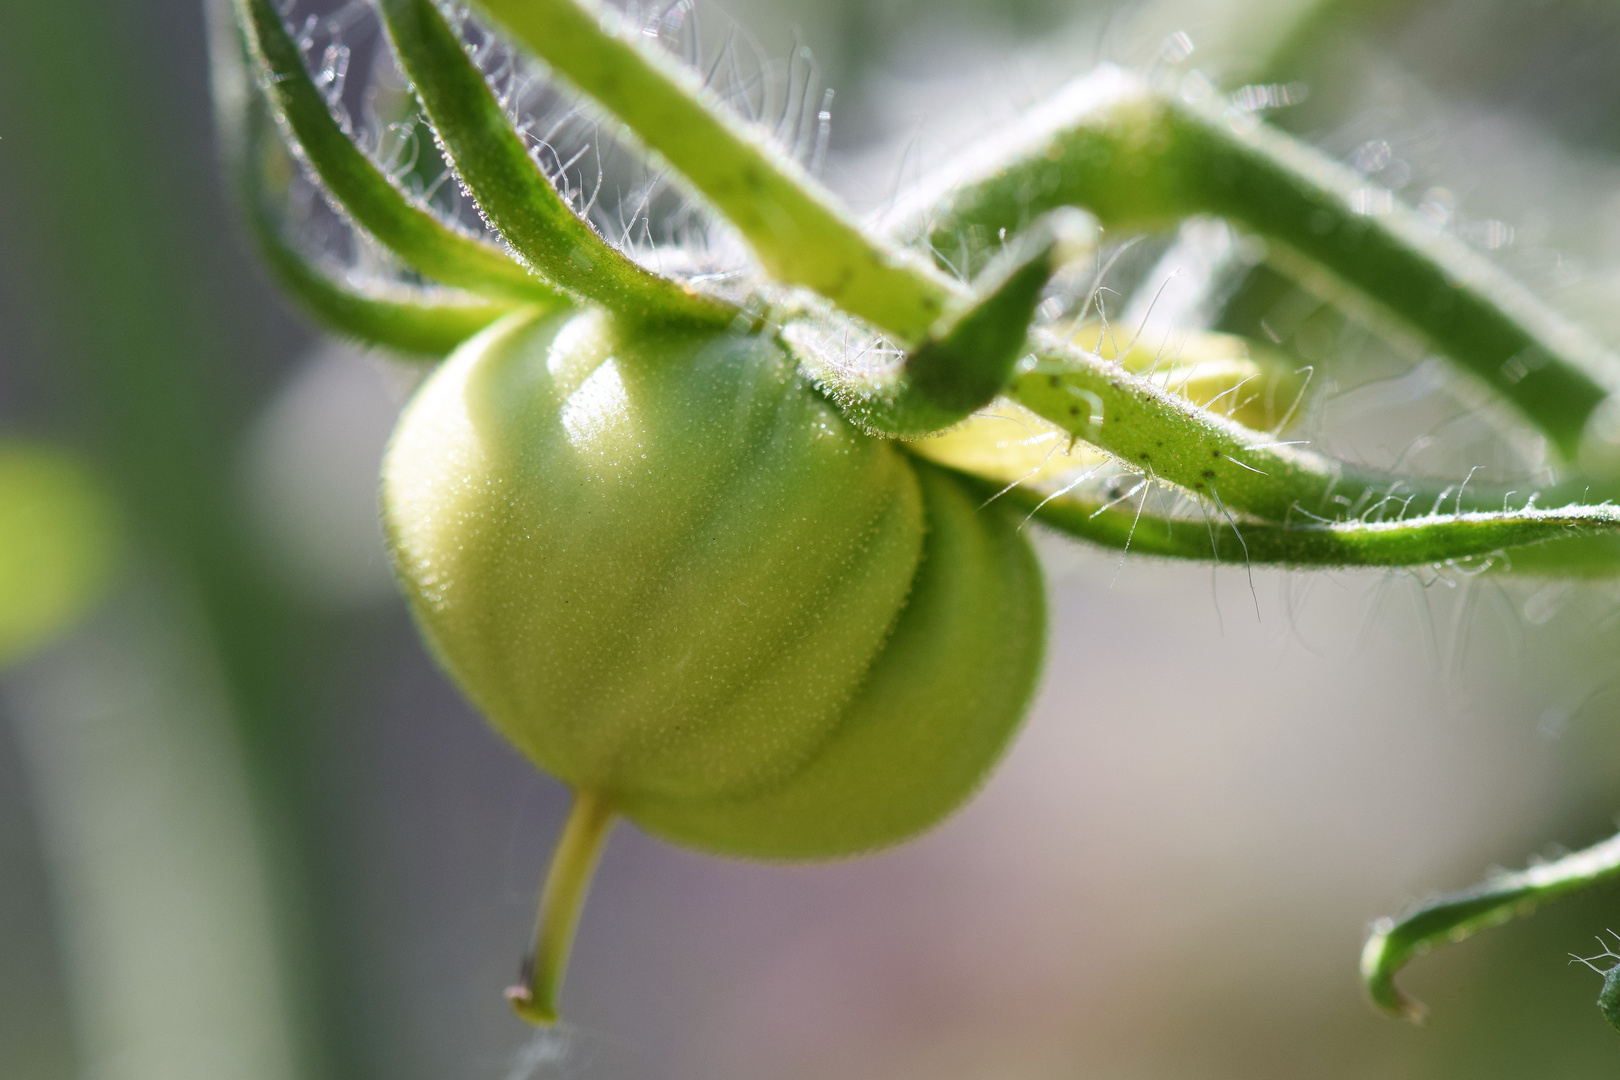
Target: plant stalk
{"x": 573, "y": 863}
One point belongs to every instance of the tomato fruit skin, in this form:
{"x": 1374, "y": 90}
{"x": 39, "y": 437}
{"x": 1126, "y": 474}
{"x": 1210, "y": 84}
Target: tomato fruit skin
{"x": 933, "y": 716}
{"x": 673, "y": 576}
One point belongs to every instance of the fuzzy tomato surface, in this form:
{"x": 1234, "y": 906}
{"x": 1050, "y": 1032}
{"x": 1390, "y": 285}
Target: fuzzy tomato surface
{"x": 673, "y": 576}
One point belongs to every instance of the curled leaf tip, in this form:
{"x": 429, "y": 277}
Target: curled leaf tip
{"x": 1380, "y": 960}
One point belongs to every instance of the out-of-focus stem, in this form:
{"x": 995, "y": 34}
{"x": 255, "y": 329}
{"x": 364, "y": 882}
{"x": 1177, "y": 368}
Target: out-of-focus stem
{"x": 156, "y": 865}
{"x": 1316, "y": 24}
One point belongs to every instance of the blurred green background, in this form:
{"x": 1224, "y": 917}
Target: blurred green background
{"x": 248, "y": 831}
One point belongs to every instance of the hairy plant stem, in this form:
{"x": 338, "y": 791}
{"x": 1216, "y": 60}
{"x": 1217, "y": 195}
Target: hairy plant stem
{"x": 799, "y": 232}
{"x": 573, "y": 862}
{"x": 1124, "y": 523}
{"x": 1139, "y": 158}
{"x": 355, "y": 181}
{"x": 490, "y": 157}
{"x": 1117, "y": 147}
{"x": 408, "y": 321}
{"x": 1111, "y": 143}
{"x": 1152, "y": 429}
{"x": 968, "y": 359}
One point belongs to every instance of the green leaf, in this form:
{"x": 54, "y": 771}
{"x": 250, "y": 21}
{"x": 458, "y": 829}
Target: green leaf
{"x": 58, "y": 545}
{"x": 1140, "y": 159}
{"x": 800, "y": 233}
{"x": 1453, "y": 917}
{"x": 519, "y": 200}
{"x": 383, "y": 210}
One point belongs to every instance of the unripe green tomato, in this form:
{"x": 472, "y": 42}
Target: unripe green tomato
{"x": 674, "y": 577}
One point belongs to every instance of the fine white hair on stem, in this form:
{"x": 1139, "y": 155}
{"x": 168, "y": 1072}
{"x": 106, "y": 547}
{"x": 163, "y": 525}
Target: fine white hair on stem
{"x": 607, "y": 181}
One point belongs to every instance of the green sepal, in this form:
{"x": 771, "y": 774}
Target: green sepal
{"x": 1140, "y": 159}
{"x": 406, "y": 320}
{"x": 523, "y": 205}
{"x": 353, "y": 179}
{"x": 1170, "y": 438}
{"x": 410, "y": 321}
{"x": 969, "y": 356}
{"x": 799, "y": 231}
